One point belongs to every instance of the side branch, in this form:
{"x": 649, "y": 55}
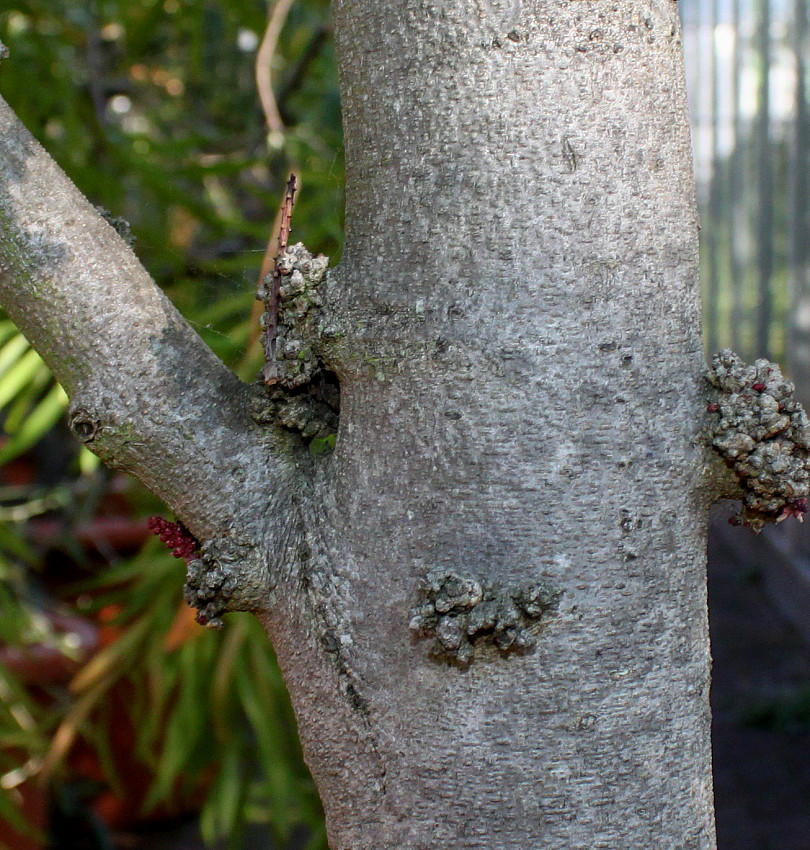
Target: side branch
{"x": 147, "y": 394}
{"x": 271, "y": 292}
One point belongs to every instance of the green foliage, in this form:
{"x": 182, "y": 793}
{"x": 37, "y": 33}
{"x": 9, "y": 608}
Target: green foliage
{"x": 25, "y": 723}
{"x": 32, "y": 401}
{"x": 210, "y": 709}
{"x": 150, "y": 107}
{"x": 24, "y": 728}
{"x": 207, "y": 711}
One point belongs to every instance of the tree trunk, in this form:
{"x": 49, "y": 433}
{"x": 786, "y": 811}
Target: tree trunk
{"x": 515, "y": 329}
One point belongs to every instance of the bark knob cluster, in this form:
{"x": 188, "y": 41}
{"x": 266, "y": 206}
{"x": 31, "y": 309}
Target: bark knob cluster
{"x": 294, "y": 359}
{"x": 459, "y": 612}
{"x": 763, "y": 435}
{"x": 297, "y": 392}
{"x": 312, "y": 411}
{"x": 212, "y": 579}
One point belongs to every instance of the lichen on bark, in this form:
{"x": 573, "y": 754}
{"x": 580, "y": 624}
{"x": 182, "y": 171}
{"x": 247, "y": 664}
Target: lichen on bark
{"x": 763, "y": 435}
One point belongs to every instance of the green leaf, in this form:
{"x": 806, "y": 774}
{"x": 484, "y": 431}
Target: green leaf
{"x": 11, "y": 352}
{"x": 13, "y": 543}
{"x": 7, "y": 329}
{"x": 20, "y": 374}
{"x": 11, "y": 814}
{"x": 43, "y": 417}
{"x": 19, "y": 409}
{"x": 222, "y": 814}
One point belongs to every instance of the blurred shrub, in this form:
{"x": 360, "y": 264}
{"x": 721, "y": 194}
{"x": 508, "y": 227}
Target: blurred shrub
{"x": 151, "y": 109}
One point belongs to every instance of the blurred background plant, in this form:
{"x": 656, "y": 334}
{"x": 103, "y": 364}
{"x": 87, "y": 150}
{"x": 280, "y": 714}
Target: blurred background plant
{"x": 108, "y": 690}
{"x": 747, "y": 64}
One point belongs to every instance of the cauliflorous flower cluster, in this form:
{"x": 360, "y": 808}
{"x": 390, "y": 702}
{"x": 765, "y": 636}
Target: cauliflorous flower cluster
{"x": 763, "y": 434}
{"x": 459, "y": 612}
{"x": 296, "y": 362}
{"x": 176, "y": 536}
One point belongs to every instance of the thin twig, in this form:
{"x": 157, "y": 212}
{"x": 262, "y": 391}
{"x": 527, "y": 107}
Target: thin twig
{"x": 286, "y": 216}
{"x": 277, "y": 16}
{"x": 264, "y": 71}
{"x": 273, "y": 293}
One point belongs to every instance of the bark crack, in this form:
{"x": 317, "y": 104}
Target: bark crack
{"x": 327, "y": 599}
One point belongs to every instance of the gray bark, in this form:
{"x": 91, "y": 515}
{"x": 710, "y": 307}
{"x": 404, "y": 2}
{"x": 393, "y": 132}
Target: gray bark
{"x": 522, "y": 393}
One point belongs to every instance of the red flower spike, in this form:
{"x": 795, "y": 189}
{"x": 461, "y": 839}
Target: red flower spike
{"x": 208, "y": 622}
{"x": 174, "y": 535}
{"x": 795, "y": 508}
{"x": 758, "y": 386}
{"x": 713, "y": 407}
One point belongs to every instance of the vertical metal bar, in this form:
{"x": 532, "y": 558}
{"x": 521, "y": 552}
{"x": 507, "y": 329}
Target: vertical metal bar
{"x": 764, "y": 214}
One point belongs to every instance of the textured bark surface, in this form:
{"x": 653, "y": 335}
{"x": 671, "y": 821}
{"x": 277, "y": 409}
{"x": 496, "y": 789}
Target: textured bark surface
{"x": 521, "y": 397}
{"x": 515, "y": 327}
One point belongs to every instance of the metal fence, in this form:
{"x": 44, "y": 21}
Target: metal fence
{"x": 747, "y": 64}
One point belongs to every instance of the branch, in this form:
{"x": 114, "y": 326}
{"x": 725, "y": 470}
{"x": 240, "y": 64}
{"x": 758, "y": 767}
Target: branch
{"x": 148, "y": 396}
